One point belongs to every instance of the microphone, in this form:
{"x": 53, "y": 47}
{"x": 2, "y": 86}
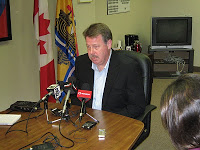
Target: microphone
{"x": 65, "y": 103}
{"x": 55, "y": 89}
{"x": 46, "y": 96}
{"x": 70, "y": 85}
{"x": 70, "y": 90}
{"x": 84, "y": 96}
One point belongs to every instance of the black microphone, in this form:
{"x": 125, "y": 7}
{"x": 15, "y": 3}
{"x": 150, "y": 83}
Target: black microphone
{"x": 53, "y": 90}
{"x": 72, "y": 80}
{"x": 84, "y": 95}
{"x": 70, "y": 85}
{"x": 68, "y": 89}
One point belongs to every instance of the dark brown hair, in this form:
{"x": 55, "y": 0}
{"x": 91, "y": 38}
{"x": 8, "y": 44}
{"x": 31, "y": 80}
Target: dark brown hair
{"x": 180, "y": 111}
{"x": 98, "y": 29}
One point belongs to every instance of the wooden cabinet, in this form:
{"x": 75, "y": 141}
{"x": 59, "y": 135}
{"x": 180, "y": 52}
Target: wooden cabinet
{"x": 170, "y": 62}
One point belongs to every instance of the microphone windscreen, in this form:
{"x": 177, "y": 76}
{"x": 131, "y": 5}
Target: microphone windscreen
{"x": 72, "y": 79}
{"x": 85, "y": 86}
{"x": 84, "y": 93}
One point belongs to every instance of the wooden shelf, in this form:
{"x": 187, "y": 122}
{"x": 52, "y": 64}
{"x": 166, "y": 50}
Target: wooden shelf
{"x": 163, "y": 68}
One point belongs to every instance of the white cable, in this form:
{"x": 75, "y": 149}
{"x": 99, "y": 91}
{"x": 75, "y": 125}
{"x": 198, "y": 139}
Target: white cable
{"x": 177, "y": 60}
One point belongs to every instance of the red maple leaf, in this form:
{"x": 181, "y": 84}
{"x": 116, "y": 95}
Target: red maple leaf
{"x": 36, "y": 8}
{"x": 42, "y": 49}
{"x": 43, "y": 25}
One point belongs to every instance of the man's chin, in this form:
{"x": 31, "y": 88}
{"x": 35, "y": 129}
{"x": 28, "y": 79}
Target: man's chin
{"x": 95, "y": 61}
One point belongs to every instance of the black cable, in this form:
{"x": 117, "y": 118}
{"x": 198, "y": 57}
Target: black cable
{"x": 9, "y": 111}
{"x": 84, "y": 140}
{"x": 57, "y": 141}
{"x": 22, "y": 121}
{"x": 65, "y": 137}
{"x": 80, "y": 129}
{"x": 38, "y": 140}
{"x": 50, "y": 140}
{"x": 30, "y": 115}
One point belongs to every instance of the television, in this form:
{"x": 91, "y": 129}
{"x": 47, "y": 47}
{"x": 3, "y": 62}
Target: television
{"x": 171, "y": 32}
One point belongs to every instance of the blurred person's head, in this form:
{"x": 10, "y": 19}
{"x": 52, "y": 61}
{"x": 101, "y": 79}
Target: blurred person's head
{"x": 180, "y": 111}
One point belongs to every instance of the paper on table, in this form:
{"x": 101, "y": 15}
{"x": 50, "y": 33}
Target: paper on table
{"x": 9, "y": 119}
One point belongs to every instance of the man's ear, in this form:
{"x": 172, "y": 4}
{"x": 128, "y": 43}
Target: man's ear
{"x": 109, "y": 44}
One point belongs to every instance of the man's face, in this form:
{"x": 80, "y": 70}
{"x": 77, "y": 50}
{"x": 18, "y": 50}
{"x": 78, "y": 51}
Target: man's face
{"x": 98, "y": 51}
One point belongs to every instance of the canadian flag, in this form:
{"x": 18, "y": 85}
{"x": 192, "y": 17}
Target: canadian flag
{"x": 43, "y": 35}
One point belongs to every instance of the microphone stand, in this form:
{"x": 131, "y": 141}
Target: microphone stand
{"x": 65, "y": 111}
{"x": 83, "y": 111}
{"x": 46, "y": 106}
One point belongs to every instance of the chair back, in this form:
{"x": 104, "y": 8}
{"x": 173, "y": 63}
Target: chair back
{"x": 146, "y": 68}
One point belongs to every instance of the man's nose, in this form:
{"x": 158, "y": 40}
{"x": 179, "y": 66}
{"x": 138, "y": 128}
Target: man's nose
{"x": 91, "y": 50}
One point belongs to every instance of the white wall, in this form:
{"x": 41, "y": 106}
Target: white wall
{"x": 19, "y": 76}
{"x": 182, "y": 8}
{"x": 85, "y": 15}
{"x": 18, "y": 57}
{"x": 137, "y": 21}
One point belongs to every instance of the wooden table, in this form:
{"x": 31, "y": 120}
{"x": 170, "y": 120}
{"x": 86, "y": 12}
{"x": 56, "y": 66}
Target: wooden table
{"x": 121, "y": 132}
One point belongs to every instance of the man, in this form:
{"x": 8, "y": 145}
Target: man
{"x": 113, "y": 77}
